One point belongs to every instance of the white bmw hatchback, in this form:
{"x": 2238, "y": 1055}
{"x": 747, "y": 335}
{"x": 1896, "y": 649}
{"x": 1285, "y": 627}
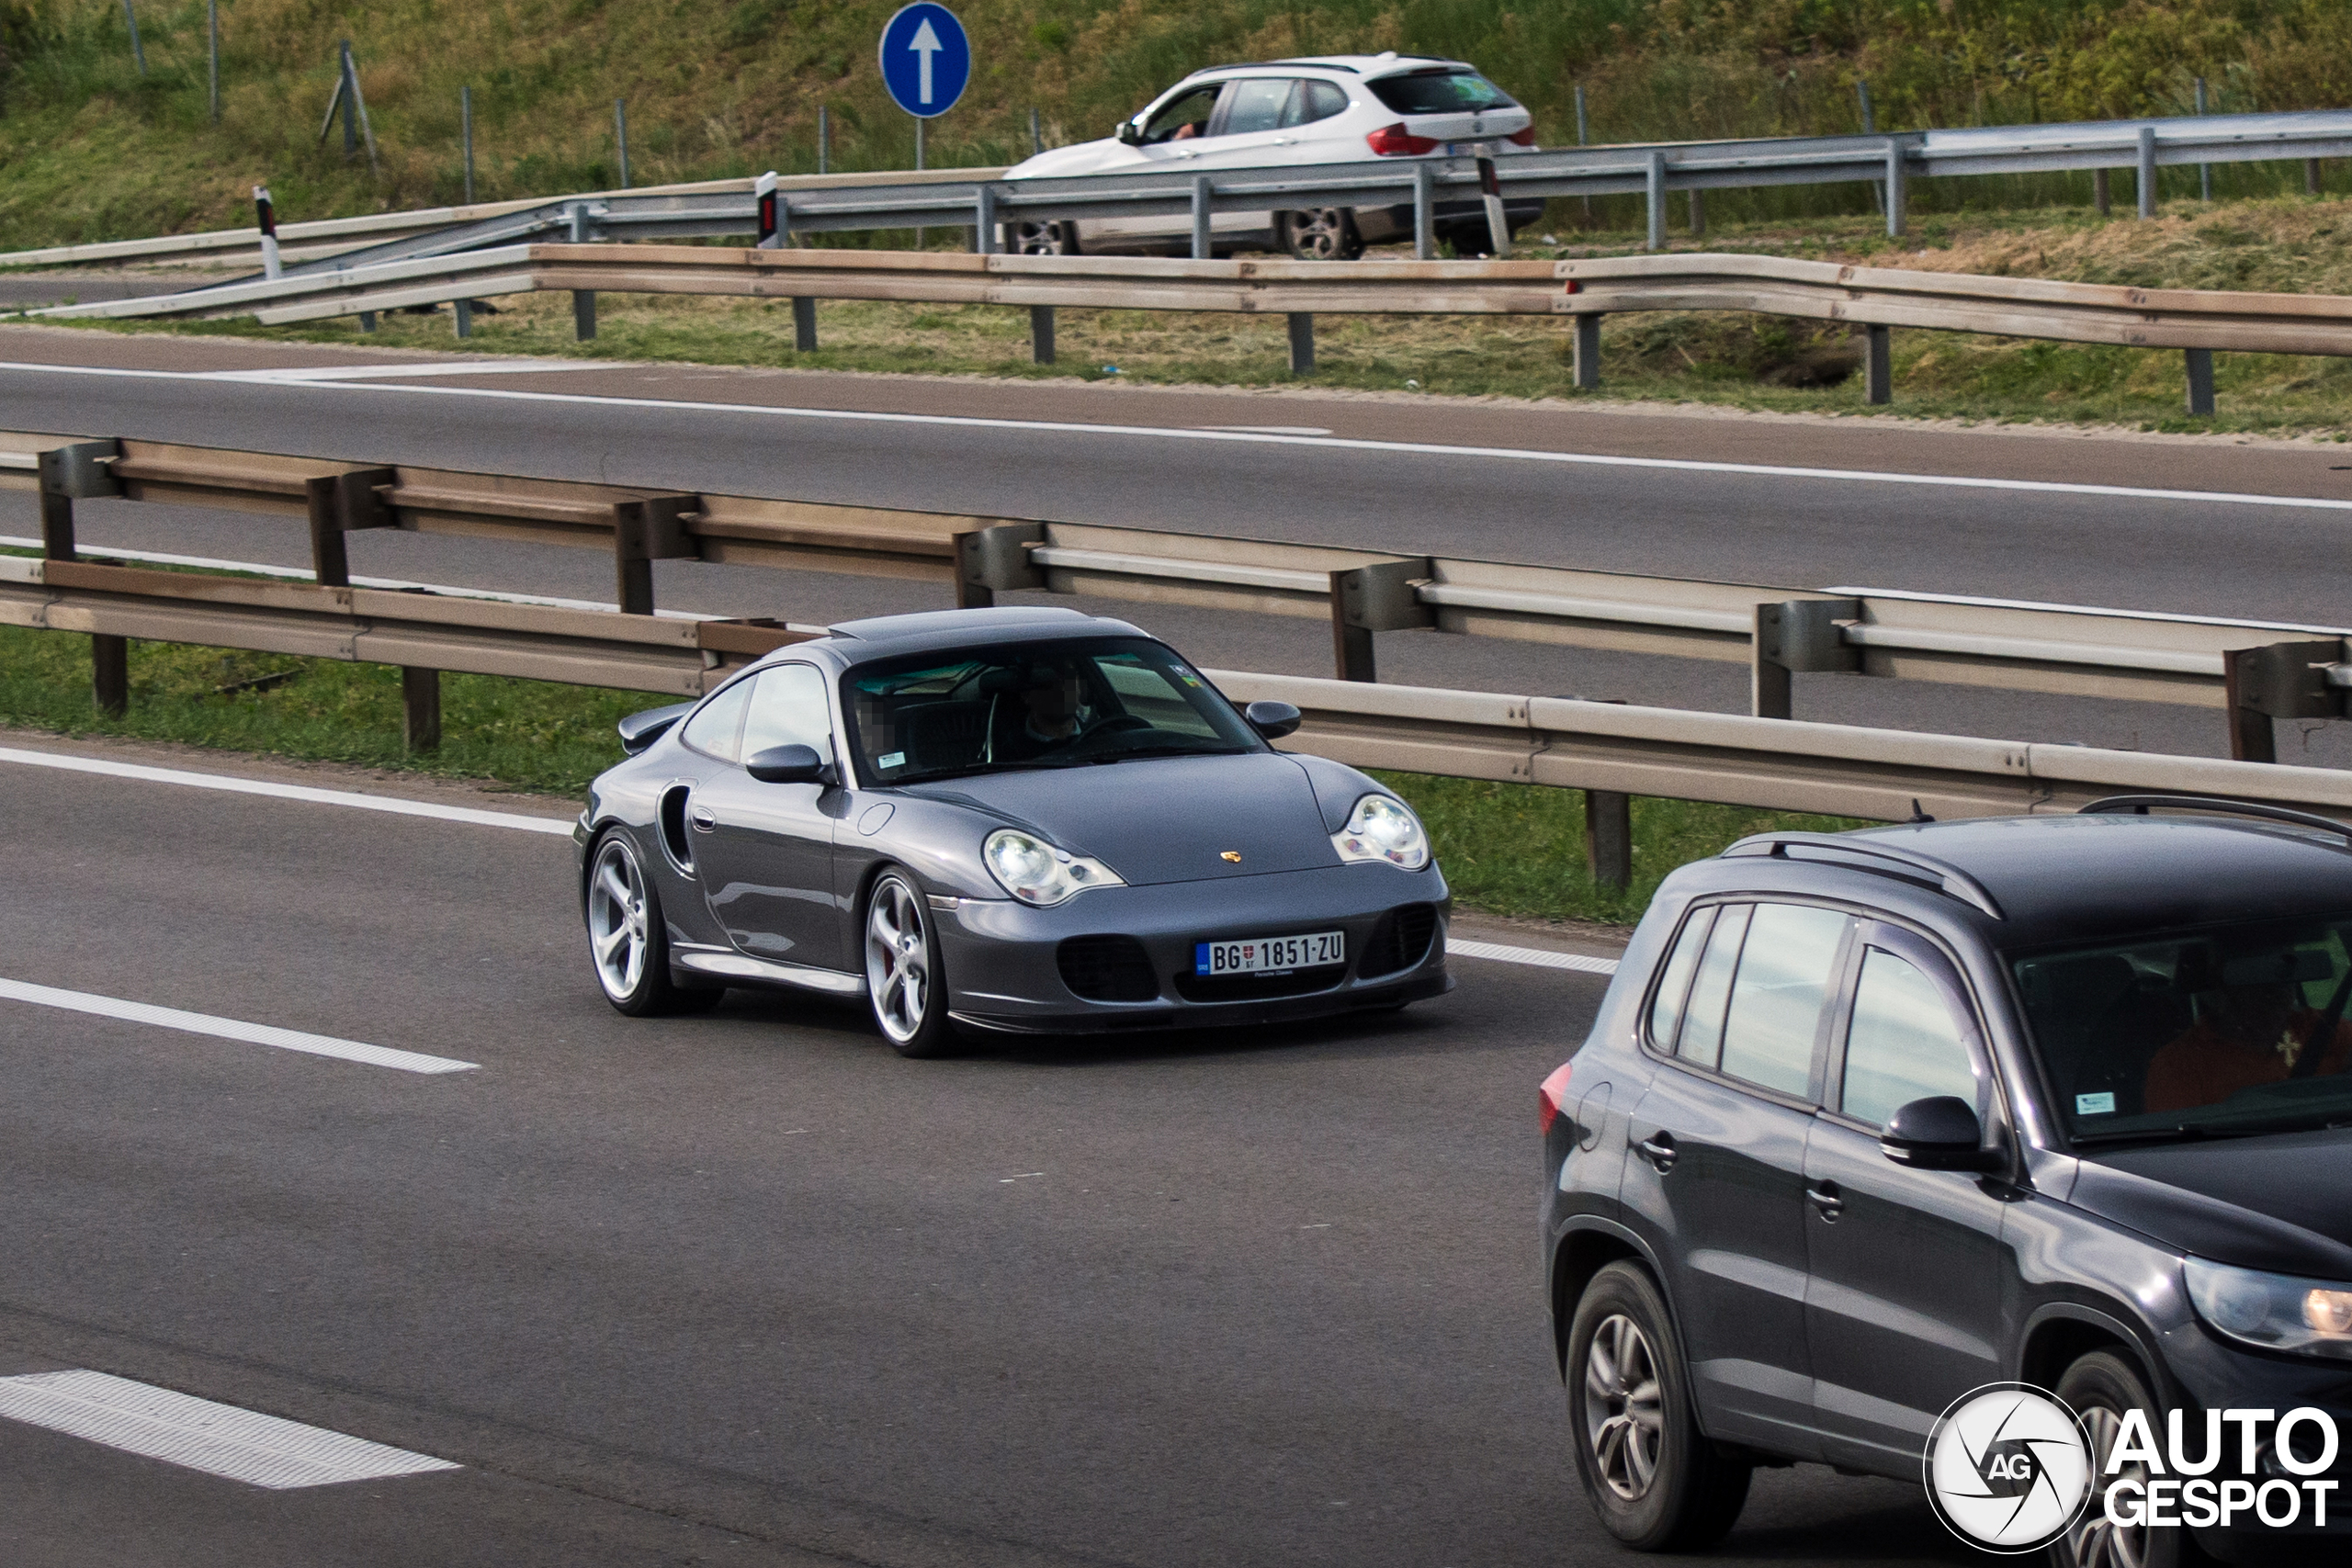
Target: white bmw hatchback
{"x": 1330, "y": 109}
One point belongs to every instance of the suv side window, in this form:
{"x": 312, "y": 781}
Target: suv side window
{"x": 1786, "y": 966}
{"x": 1255, "y": 103}
{"x": 1702, "y": 1022}
{"x": 1666, "y": 1008}
{"x": 1903, "y": 1044}
{"x": 1314, "y": 100}
{"x": 789, "y": 709}
{"x": 1183, "y": 118}
{"x": 714, "y": 727}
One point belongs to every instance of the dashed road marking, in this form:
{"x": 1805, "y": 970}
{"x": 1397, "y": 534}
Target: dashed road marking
{"x": 230, "y": 1028}
{"x": 198, "y": 1434}
{"x": 1543, "y": 958}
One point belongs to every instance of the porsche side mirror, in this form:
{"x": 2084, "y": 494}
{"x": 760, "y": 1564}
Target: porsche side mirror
{"x": 787, "y": 764}
{"x": 1936, "y": 1133}
{"x": 639, "y": 731}
{"x": 1274, "y": 721}
{"x": 1129, "y": 133}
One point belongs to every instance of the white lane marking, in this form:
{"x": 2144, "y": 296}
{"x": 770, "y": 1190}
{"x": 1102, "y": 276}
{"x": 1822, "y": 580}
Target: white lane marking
{"x": 1335, "y": 443}
{"x": 231, "y": 1029}
{"x": 1543, "y": 958}
{"x": 317, "y": 375}
{"x": 198, "y": 1434}
{"x": 1269, "y": 429}
{"x": 392, "y": 804}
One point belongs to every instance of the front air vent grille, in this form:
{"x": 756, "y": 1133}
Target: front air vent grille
{"x": 1107, "y": 969}
{"x": 1400, "y": 941}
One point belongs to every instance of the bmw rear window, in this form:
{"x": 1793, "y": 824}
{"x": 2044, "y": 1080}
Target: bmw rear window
{"x": 1441, "y": 91}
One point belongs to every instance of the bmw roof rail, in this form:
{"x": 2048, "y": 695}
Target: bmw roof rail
{"x": 1940, "y": 874}
{"x": 2138, "y": 805}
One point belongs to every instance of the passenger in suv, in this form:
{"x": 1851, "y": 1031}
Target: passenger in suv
{"x": 1870, "y": 1121}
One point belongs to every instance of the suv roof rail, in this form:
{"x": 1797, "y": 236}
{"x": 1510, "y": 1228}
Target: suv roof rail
{"x": 2138, "y": 806}
{"x": 1942, "y": 874}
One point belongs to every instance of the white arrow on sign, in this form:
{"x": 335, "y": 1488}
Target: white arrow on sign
{"x": 926, "y": 44}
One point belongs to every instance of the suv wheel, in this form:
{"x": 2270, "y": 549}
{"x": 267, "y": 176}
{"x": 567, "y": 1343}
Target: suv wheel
{"x": 1041, "y": 239}
{"x": 1656, "y": 1481}
{"x": 1320, "y": 233}
{"x": 2099, "y": 1388}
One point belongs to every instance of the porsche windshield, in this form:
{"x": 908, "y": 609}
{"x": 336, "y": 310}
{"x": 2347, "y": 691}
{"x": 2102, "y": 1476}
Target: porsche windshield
{"x": 2219, "y": 1031}
{"x": 1053, "y": 704}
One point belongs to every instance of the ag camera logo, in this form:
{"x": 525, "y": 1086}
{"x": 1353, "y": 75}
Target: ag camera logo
{"x": 2009, "y": 1467}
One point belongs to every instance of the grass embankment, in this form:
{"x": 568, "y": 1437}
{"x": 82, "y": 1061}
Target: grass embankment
{"x": 2291, "y": 244}
{"x": 97, "y": 150}
{"x": 1509, "y": 849}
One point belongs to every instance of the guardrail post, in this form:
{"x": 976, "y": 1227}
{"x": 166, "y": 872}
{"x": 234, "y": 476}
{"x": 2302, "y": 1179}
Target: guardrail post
{"x": 2311, "y": 176}
{"x": 2200, "y": 382}
{"x": 989, "y": 560}
{"x": 2102, "y": 192}
{"x": 644, "y": 532}
{"x": 984, "y": 220}
{"x": 1697, "y": 213}
{"x": 1656, "y": 239}
{"x": 1799, "y": 637}
{"x": 1897, "y": 199}
{"x": 1375, "y": 598}
{"x": 1301, "y": 344}
{"x": 2284, "y": 679}
{"x": 420, "y": 710}
{"x": 110, "y": 674}
{"x": 1609, "y": 837}
{"x": 1041, "y": 334}
{"x": 463, "y": 311}
{"x": 366, "y": 321}
{"x": 1878, "y": 365}
{"x": 1424, "y": 212}
{"x": 339, "y": 504}
{"x": 1202, "y": 190}
{"x": 1588, "y": 368}
{"x": 2147, "y": 171}
{"x": 804, "y": 324}
{"x": 583, "y": 314}
{"x": 67, "y": 474}
{"x": 2204, "y": 171}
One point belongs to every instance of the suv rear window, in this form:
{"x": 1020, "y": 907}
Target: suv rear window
{"x": 1756, "y": 996}
{"x": 1441, "y": 91}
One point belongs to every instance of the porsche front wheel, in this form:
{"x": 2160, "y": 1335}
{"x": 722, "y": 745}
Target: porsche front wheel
{"x": 904, "y": 981}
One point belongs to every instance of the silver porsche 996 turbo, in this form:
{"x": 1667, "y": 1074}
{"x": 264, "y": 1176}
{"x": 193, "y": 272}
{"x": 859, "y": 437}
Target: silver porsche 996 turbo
{"x": 1015, "y": 819}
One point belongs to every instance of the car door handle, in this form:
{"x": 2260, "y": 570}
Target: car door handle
{"x": 1658, "y": 1149}
{"x": 1824, "y": 1198}
{"x": 703, "y": 820}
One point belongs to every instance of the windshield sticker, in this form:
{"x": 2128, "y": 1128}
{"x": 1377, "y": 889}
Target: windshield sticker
{"x": 899, "y": 760}
{"x": 2095, "y": 1104}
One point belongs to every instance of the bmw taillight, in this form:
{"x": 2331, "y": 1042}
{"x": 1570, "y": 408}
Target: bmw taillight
{"x": 1523, "y": 137}
{"x": 1552, "y": 1096}
{"x": 1395, "y": 141}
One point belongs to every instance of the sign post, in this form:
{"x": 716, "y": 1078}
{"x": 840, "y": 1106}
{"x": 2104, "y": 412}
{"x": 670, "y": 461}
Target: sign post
{"x": 926, "y": 62}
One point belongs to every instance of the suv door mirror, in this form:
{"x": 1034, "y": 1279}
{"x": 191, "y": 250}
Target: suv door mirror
{"x": 1129, "y": 133}
{"x": 788, "y": 765}
{"x": 1940, "y": 1132}
{"x": 1271, "y": 719}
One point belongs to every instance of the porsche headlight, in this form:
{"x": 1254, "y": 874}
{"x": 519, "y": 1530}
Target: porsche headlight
{"x": 2276, "y": 1311}
{"x": 1382, "y": 828}
{"x": 1036, "y": 872}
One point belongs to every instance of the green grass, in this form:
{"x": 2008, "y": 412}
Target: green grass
{"x": 1509, "y": 849}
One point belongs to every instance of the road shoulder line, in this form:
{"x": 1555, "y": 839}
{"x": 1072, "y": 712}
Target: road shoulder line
{"x": 231, "y": 1029}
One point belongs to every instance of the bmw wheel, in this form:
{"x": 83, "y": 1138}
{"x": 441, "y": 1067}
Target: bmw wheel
{"x": 1319, "y": 233}
{"x": 1041, "y": 239}
{"x": 1656, "y": 1481}
{"x": 904, "y": 981}
{"x": 2100, "y": 1388}
{"x": 627, "y": 939}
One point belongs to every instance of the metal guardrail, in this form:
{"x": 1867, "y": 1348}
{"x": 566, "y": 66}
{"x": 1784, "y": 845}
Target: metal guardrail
{"x": 2254, "y": 672}
{"x": 1190, "y": 182}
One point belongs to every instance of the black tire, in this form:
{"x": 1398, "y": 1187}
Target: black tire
{"x": 1632, "y": 1404}
{"x": 628, "y": 943}
{"x": 906, "y": 985}
{"x": 1322, "y": 234}
{"x": 1041, "y": 239}
{"x": 2099, "y": 1388}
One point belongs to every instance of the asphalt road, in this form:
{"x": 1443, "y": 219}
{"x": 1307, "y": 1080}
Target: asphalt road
{"x": 1833, "y": 504}
{"x": 748, "y": 1288}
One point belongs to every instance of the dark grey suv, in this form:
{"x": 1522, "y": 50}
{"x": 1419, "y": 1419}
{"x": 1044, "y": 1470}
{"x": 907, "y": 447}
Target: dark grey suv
{"x": 1870, "y": 1121}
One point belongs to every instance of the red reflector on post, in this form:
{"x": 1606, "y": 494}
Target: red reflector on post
{"x": 1395, "y": 141}
{"x": 1553, "y": 1096}
{"x": 1571, "y": 286}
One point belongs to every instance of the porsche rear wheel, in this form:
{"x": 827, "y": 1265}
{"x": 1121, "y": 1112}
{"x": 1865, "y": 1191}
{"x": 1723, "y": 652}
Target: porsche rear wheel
{"x": 904, "y": 981}
{"x": 627, "y": 939}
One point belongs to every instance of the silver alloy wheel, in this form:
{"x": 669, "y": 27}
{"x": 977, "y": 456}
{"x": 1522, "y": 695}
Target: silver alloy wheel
{"x": 2093, "y": 1542}
{"x": 1319, "y": 233}
{"x": 898, "y": 960}
{"x": 1039, "y": 240}
{"x": 1625, "y": 1413}
{"x": 616, "y": 925}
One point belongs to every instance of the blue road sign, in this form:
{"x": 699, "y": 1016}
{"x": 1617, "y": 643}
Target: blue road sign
{"x": 926, "y": 59}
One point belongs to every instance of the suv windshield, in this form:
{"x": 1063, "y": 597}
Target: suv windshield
{"x": 1056, "y": 705}
{"x": 1441, "y": 91}
{"x": 2220, "y": 1031}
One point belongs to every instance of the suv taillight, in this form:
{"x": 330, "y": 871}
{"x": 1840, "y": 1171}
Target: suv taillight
{"x": 1523, "y": 137}
{"x": 1395, "y": 141}
{"x": 1552, "y": 1096}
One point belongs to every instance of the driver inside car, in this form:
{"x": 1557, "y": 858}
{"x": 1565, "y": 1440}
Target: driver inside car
{"x": 1048, "y": 711}
{"x": 2253, "y": 1029}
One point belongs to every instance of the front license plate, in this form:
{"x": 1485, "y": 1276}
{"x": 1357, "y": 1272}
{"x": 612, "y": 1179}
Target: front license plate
{"x": 1270, "y": 954}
